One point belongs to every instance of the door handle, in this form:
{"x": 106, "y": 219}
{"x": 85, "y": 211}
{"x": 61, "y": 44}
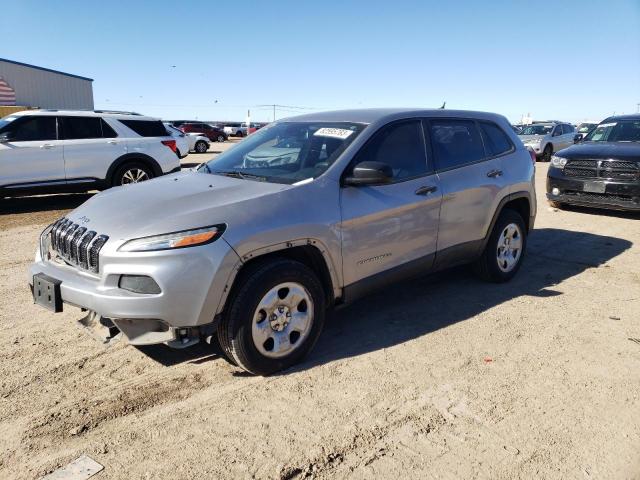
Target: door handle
{"x": 47, "y": 146}
{"x": 112, "y": 142}
{"x": 426, "y": 190}
{"x": 494, "y": 173}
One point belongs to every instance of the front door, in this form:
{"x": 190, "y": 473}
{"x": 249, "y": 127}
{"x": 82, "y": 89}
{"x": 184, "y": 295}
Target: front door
{"x": 32, "y": 154}
{"x": 396, "y": 224}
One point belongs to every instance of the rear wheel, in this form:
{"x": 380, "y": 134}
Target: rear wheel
{"x": 201, "y": 146}
{"x": 221, "y": 138}
{"x": 547, "y": 152}
{"x": 134, "y": 172}
{"x": 239, "y": 133}
{"x": 275, "y": 317}
{"x": 505, "y": 249}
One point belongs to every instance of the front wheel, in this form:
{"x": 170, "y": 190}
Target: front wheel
{"x": 201, "y": 146}
{"x": 220, "y": 138}
{"x": 503, "y": 254}
{"x": 274, "y": 318}
{"x": 546, "y": 153}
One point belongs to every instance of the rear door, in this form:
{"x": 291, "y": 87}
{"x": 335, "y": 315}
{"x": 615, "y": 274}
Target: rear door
{"x": 33, "y": 155}
{"x": 396, "y": 224}
{"x": 90, "y": 147}
{"x": 471, "y": 182}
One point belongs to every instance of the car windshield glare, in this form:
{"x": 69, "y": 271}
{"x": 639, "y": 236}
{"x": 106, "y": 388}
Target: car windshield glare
{"x": 618, "y": 131}
{"x": 536, "y": 130}
{"x": 286, "y": 152}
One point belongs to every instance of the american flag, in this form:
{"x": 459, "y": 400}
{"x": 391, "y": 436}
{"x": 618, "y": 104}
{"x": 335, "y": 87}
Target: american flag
{"x": 7, "y": 94}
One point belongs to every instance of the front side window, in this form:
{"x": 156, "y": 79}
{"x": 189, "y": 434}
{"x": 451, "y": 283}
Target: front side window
{"x": 400, "y": 146}
{"x": 286, "y": 152}
{"x": 566, "y": 129}
{"x": 455, "y": 143}
{"x": 495, "y": 140}
{"x": 76, "y": 128}
{"x": 616, "y": 131}
{"x": 33, "y": 129}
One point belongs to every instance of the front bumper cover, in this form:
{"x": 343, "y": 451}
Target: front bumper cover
{"x": 616, "y": 195}
{"x": 192, "y": 282}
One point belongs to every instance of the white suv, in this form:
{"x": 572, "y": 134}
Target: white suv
{"x": 59, "y": 151}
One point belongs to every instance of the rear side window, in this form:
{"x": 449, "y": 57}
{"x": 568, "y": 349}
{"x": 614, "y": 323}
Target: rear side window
{"x": 76, "y": 128}
{"x": 146, "y": 128}
{"x": 455, "y": 143}
{"x": 33, "y": 129}
{"x": 495, "y": 140}
{"x": 401, "y": 147}
{"x": 107, "y": 131}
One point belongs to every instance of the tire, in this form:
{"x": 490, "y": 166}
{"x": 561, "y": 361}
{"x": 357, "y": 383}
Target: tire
{"x": 220, "y": 138}
{"x": 248, "y": 328}
{"x": 201, "y": 146}
{"x": 547, "y": 152}
{"x": 497, "y": 268}
{"x": 239, "y": 134}
{"x": 132, "y": 172}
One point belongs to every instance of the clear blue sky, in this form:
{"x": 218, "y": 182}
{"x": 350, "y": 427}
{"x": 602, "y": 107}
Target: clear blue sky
{"x": 569, "y": 60}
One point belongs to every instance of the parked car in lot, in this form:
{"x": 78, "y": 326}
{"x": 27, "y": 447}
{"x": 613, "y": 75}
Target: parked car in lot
{"x": 257, "y": 253}
{"x": 215, "y": 134}
{"x": 240, "y": 129}
{"x": 602, "y": 171}
{"x": 584, "y": 128}
{"x": 56, "y": 150}
{"x": 544, "y": 138}
{"x": 182, "y": 142}
{"x": 198, "y": 143}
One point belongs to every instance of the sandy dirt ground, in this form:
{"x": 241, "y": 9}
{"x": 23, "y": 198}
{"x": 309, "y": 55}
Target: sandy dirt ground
{"x": 440, "y": 377}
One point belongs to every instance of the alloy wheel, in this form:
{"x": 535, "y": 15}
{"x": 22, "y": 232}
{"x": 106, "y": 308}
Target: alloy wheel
{"x": 134, "y": 175}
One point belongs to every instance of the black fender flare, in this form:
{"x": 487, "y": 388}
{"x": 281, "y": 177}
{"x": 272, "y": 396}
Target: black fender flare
{"x": 501, "y": 205}
{"x": 133, "y": 157}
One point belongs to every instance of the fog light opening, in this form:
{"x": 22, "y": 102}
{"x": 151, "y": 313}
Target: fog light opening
{"x": 139, "y": 284}
{"x": 555, "y": 191}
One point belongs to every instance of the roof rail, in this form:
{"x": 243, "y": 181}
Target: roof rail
{"x": 118, "y": 111}
{"x": 548, "y": 121}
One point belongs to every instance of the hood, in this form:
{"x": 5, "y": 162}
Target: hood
{"x": 603, "y": 150}
{"x": 171, "y": 203}
{"x": 530, "y": 138}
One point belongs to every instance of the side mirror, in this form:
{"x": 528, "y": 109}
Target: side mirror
{"x": 578, "y": 138}
{"x": 370, "y": 173}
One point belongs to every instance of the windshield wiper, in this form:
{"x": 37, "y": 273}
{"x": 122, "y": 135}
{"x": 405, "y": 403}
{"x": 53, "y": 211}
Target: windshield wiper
{"x": 206, "y": 166}
{"x": 241, "y": 175}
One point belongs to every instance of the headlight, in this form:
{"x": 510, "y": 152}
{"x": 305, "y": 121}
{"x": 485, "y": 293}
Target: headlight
{"x": 558, "y": 162}
{"x": 168, "y": 241}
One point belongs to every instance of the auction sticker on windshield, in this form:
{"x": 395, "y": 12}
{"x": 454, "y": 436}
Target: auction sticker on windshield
{"x": 340, "y": 133}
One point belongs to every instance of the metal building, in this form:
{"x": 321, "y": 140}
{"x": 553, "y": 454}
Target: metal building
{"x": 37, "y": 87}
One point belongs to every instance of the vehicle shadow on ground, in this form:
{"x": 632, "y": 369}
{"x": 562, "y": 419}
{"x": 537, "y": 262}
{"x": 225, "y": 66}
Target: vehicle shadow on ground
{"x": 414, "y": 308}
{"x": 43, "y": 203}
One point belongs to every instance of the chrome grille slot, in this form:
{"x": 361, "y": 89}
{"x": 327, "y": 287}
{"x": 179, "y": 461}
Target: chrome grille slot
{"x": 76, "y": 245}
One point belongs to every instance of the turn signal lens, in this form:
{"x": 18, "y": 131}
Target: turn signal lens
{"x": 185, "y": 238}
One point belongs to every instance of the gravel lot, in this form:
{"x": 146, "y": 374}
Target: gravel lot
{"x": 440, "y": 377}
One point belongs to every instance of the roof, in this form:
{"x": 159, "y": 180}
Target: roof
{"x": 371, "y": 115}
{"x": 85, "y": 113}
{"x": 45, "y": 69}
{"x": 632, "y": 116}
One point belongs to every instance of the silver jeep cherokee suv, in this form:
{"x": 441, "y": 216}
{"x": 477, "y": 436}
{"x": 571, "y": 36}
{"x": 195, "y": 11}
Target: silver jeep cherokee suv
{"x": 258, "y": 250}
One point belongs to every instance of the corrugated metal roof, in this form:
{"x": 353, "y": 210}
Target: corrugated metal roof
{"x": 46, "y": 69}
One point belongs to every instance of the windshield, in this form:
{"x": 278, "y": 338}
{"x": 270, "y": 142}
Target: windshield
{"x": 621, "y": 131}
{"x": 6, "y": 121}
{"x": 285, "y": 152}
{"x": 536, "y": 130}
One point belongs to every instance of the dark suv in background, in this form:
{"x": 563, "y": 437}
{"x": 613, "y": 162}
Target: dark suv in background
{"x": 601, "y": 171}
{"x": 213, "y": 133}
